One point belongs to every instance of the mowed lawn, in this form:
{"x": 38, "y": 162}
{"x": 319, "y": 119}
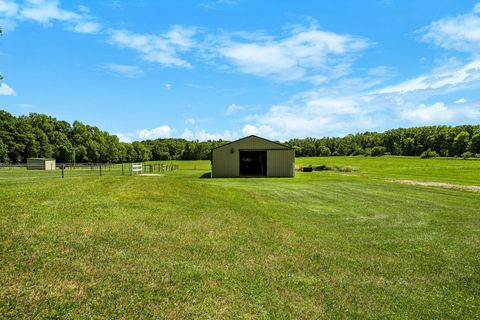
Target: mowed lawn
{"x": 321, "y": 245}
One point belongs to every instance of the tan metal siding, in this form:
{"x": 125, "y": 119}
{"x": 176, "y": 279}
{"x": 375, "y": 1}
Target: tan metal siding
{"x": 281, "y": 163}
{"x": 226, "y": 159}
{"x": 224, "y": 163}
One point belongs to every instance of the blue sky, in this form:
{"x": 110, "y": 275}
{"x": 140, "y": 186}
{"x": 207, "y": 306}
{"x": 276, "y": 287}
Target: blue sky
{"x": 227, "y": 68}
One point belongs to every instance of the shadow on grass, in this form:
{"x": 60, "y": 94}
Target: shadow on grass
{"x": 206, "y": 175}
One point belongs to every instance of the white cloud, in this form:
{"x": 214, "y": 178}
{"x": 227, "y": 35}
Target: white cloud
{"x": 444, "y": 77}
{"x": 130, "y": 71}
{"x": 87, "y": 27}
{"x": 6, "y": 90}
{"x": 187, "y": 134}
{"x": 8, "y": 8}
{"x": 168, "y": 86}
{"x": 438, "y": 113}
{"x": 461, "y": 101}
{"x": 123, "y": 137}
{"x": 190, "y": 121}
{"x": 304, "y": 54}
{"x": 46, "y": 12}
{"x": 298, "y": 119}
{"x": 163, "y": 131}
{"x": 249, "y": 130}
{"x": 8, "y": 13}
{"x": 160, "y": 48}
{"x": 203, "y": 135}
{"x": 231, "y": 109}
{"x": 160, "y": 132}
{"x": 460, "y": 33}
{"x": 43, "y": 11}
{"x": 351, "y": 105}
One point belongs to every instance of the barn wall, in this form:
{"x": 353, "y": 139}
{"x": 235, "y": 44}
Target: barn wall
{"x": 227, "y": 164}
{"x": 281, "y": 163}
{"x": 223, "y": 163}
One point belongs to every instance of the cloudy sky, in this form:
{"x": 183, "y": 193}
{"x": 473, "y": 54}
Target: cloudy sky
{"x": 213, "y": 69}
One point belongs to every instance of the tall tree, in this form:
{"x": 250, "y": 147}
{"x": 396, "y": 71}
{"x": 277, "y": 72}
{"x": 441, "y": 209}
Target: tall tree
{"x": 461, "y": 142}
{"x": 475, "y": 143}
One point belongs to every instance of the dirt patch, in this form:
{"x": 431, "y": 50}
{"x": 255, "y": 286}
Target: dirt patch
{"x": 437, "y": 184}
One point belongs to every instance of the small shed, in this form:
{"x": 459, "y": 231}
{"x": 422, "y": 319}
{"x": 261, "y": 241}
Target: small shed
{"x": 253, "y": 156}
{"x": 41, "y": 164}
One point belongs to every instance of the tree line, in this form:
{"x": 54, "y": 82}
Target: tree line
{"x": 443, "y": 141}
{"x": 39, "y": 135}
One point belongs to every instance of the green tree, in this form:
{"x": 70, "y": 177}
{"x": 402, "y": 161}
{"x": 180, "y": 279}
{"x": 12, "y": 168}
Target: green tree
{"x": 475, "y": 143}
{"x": 409, "y": 147}
{"x": 461, "y": 142}
{"x": 131, "y": 154}
{"x": 142, "y": 151}
{"x": 378, "y": 151}
{"x": 325, "y": 151}
{"x": 62, "y": 147}
{"x": 3, "y": 152}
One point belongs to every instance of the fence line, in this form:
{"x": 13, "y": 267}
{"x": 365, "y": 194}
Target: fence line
{"x": 65, "y": 170}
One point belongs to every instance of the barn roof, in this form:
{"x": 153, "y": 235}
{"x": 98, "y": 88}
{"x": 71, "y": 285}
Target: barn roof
{"x": 253, "y": 136}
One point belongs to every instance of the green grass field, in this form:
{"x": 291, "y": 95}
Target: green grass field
{"x": 325, "y": 244}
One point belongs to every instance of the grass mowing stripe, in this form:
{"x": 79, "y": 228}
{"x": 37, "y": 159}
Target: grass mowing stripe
{"x": 321, "y": 245}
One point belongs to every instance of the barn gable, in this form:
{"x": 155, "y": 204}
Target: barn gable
{"x": 256, "y": 142}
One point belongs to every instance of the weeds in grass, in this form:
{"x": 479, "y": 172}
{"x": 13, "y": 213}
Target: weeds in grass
{"x": 341, "y": 168}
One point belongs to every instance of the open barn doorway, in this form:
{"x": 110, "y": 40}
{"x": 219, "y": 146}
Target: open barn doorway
{"x": 253, "y": 163}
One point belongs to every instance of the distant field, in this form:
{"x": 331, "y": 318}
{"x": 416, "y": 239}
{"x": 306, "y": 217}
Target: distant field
{"x": 326, "y": 244}
{"x": 436, "y": 169}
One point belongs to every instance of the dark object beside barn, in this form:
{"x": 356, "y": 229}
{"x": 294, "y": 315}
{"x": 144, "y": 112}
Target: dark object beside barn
{"x": 311, "y": 168}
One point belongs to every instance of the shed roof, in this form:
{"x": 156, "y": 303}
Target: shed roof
{"x": 253, "y": 136}
{"x": 47, "y": 159}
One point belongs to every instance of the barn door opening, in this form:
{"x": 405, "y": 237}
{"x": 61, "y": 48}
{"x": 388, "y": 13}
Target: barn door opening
{"x": 253, "y": 163}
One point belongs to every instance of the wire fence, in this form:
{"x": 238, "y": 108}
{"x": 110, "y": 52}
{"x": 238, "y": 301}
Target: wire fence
{"x": 65, "y": 170}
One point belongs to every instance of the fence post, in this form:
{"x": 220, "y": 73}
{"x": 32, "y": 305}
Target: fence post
{"x": 63, "y": 166}
{"x": 100, "y": 170}
{"x": 122, "y": 168}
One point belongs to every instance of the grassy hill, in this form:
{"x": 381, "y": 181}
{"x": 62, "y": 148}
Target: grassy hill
{"x": 326, "y": 244}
